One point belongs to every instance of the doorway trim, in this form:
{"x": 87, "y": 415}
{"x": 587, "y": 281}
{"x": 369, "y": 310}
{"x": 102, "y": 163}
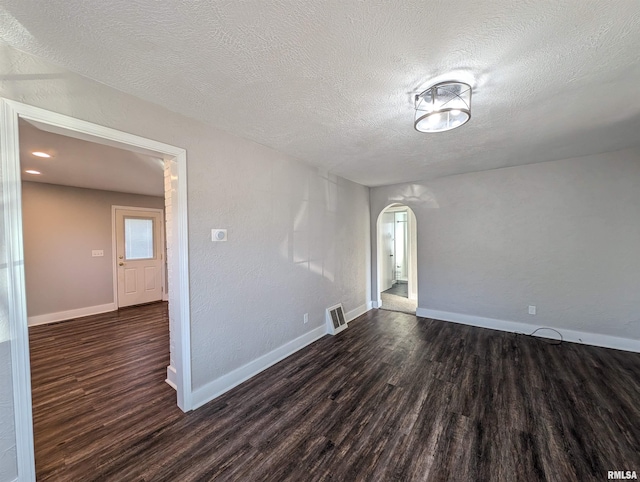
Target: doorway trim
{"x": 412, "y": 271}
{"x": 10, "y": 177}
{"x": 114, "y": 255}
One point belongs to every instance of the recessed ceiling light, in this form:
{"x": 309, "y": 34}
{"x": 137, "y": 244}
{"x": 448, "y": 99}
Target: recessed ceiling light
{"x": 32, "y": 171}
{"x": 40, "y": 154}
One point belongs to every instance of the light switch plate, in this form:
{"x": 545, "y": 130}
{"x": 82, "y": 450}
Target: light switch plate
{"x": 218, "y": 235}
{"x": 96, "y": 253}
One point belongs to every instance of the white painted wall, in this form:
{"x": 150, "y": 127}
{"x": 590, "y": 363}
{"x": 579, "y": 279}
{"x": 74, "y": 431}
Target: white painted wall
{"x": 61, "y": 226}
{"x": 298, "y": 238}
{"x": 563, "y": 235}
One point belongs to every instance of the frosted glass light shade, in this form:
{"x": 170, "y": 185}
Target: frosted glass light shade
{"x": 443, "y": 107}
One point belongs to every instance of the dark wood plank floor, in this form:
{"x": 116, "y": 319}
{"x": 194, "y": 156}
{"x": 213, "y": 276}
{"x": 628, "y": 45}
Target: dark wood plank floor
{"x": 394, "y": 397}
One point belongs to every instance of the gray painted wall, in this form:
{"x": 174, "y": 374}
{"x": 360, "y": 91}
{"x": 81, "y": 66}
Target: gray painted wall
{"x": 8, "y": 467}
{"x": 61, "y": 226}
{"x": 298, "y": 238}
{"x": 563, "y": 235}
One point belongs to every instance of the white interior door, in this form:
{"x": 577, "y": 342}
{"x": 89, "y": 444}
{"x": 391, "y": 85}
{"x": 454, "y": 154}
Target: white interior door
{"x": 412, "y": 256}
{"x": 388, "y": 261}
{"x": 139, "y": 256}
{"x": 400, "y": 246}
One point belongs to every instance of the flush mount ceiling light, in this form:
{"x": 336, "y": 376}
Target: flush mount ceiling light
{"x": 41, "y": 154}
{"x": 32, "y": 171}
{"x": 442, "y": 107}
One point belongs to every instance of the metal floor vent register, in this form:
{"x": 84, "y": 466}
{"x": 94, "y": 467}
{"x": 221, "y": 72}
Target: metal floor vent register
{"x": 335, "y": 319}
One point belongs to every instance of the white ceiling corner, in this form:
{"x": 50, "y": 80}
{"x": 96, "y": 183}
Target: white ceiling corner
{"x": 330, "y": 81}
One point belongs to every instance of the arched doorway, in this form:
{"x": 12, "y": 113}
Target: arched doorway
{"x": 397, "y": 259}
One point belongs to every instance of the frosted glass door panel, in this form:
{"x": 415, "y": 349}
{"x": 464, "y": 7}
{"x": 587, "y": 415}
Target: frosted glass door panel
{"x": 138, "y": 237}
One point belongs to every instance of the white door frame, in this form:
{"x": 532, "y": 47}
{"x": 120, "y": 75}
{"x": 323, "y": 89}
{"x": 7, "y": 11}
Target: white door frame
{"x": 114, "y": 255}
{"x": 412, "y": 261}
{"x": 175, "y": 169}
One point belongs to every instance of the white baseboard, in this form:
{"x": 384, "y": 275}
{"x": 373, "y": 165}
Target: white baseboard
{"x": 70, "y": 314}
{"x": 376, "y": 304}
{"x": 214, "y": 389}
{"x": 360, "y": 310}
{"x": 172, "y": 377}
{"x": 226, "y": 382}
{"x": 585, "y": 338}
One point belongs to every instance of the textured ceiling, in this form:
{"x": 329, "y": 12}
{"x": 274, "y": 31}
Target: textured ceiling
{"x": 79, "y": 163}
{"x": 330, "y": 81}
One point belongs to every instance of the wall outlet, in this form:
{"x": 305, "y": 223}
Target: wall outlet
{"x": 306, "y": 317}
{"x": 532, "y": 309}
{"x": 96, "y": 253}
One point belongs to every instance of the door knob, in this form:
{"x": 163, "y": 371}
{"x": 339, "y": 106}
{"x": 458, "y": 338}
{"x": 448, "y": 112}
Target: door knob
{"x": 120, "y": 263}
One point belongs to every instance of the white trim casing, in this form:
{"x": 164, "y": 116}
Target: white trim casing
{"x": 70, "y": 314}
{"x": 179, "y": 308}
{"x": 412, "y": 258}
{"x": 17, "y": 302}
{"x": 582, "y": 337}
{"x": 171, "y": 377}
{"x": 175, "y": 159}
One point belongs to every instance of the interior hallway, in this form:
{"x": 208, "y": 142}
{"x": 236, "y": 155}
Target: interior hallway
{"x": 399, "y": 288}
{"x": 396, "y": 298}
